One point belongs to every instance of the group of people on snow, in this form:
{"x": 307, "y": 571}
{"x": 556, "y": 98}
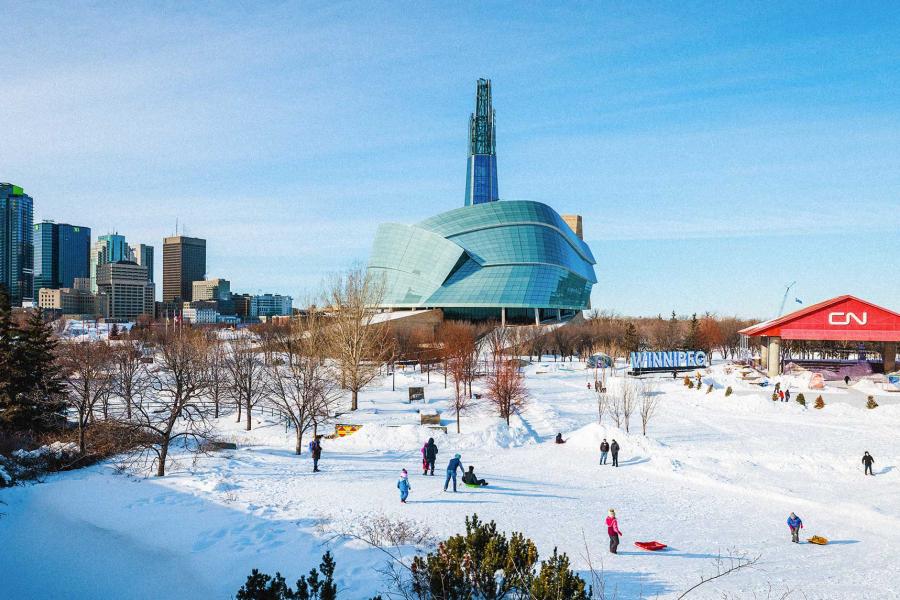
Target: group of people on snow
{"x": 607, "y": 448}
{"x": 429, "y": 457}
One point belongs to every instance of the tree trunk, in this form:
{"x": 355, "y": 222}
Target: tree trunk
{"x": 249, "y": 423}
{"x": 163, "y": 451}
{"x": 128, "y": 406}
{"x": 81, "y": 447}
{"x": 299, "y": 447}
{"x": 354, "y": 399}
{"x": 238, "y": 412}
{"x": 216, "y": 405}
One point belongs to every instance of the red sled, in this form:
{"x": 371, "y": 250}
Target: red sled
{"x": 652, "y": 546}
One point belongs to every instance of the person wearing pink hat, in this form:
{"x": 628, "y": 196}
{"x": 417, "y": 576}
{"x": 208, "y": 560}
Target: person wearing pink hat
{"x": 403, "y": 486}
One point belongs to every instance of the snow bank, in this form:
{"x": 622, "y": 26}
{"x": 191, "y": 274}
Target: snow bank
{"x": 5, "y": 478}
{"x": 407, "y": 438}
{"x": 57, "y": 450}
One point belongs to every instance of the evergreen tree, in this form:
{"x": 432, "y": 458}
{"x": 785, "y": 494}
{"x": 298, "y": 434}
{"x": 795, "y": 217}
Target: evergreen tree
{"x": 11, "y": 413}
{"x": 693, "y": 336}
{"x": 631, "y": 339}
{"x": 672, "y": 337}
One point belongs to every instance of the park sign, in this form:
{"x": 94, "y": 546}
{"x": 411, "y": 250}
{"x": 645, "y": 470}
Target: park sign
{"x": 671, "y": 359}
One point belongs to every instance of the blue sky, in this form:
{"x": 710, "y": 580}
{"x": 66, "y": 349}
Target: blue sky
{"x": 717, "y": 151}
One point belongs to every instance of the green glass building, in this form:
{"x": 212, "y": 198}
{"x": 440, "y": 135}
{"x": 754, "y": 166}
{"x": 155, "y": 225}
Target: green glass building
{"x": 511, "y": 261}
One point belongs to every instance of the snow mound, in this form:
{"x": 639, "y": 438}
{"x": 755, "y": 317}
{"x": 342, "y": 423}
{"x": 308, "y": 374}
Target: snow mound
{"x": 590, "y": 436}
{"x": 492, "y": 433}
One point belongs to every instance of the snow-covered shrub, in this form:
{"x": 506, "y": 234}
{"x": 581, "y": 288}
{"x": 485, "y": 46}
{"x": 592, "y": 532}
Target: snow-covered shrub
{"x": 801, "y": 399}
{"x": 6, "y": 479}
{"x": 870, "y": 403}
{"x": 687, "y": 382}
{"x": 728, "y": 391}
{"x": 820, "y": 403}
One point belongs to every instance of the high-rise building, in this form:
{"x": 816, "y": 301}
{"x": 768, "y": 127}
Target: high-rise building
{"x": 211, "y": 289}
{"x": 130, "y": 294}
{"x": 68, "y": 301}
{"x": 61, "y": 254}
{"x": 184, "y": 262}
{"x": 16, "y": 243}
{"x": 481, "y": 169}
{"x": 143, "y": 255}
{"x": 108, "y": 248}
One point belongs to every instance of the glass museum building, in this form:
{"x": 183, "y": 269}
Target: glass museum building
{"x": 512, "y": 261}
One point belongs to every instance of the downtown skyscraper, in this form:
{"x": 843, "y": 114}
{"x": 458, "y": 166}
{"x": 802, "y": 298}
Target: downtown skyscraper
{"x": 61, "y": 254}
{"x": 16, "y": 243}
{"x": 481, "y": 168}
{"x": 184, "y": 262}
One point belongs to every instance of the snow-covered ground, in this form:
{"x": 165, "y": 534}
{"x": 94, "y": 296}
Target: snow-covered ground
{"x": 715, "y": 475}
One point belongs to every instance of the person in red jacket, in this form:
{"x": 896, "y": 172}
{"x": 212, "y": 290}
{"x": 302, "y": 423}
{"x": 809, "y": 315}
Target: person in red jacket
{"x": 612, "y": 528}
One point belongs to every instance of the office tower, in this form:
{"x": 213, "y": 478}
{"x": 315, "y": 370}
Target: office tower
{"x": 575, "y": 223}
{"x": 108, "y": 249}
{"x": 271, "y": 305}
{"x": 129, "y": 293}
{"x": 241, "y": 304}
{"x": 16, "y": 246}
{"x": 184, "y": 262}
{"x": 61, "y": 254}
{"x": 143, "y": 255}
{"x": 211, "y": 289}
{"x": 481, "y": 168}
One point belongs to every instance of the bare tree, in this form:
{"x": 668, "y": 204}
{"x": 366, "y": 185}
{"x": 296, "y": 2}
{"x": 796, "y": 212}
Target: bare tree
{"x": 129, "y": 374}
{"x": 506, "y": 388}
{"x": 357, "y": 341}
{"x": 648, "y": 401}
{"x": 603, "y": 404}
{"x": 458, "y": 344}
{"x": 181, "y": 380}
{"x": 615, "y": 408}
{"x": 304, "y": 386}
{"x": 629, "y": 400}
{"x": 218, "y": 375}
{"x": 246, "y": 377}
{"x": 87, "y": 375}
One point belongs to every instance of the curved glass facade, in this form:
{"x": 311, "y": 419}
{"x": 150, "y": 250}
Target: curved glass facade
{"x": 509, "y": 254}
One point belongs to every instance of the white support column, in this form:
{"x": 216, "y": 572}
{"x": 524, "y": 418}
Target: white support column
{"x": 503, "y": 317}
{"x": 774, "y": 368}
{"x": 537, "y": 316}
{"x": 763, "y": 353}
{"x": 559, "y": 314}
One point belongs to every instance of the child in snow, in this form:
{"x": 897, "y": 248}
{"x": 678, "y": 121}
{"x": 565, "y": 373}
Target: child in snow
{"x": 796, "y": 524}
{"x": 559, "y": 439}
{"x": 403, "y": 486}
{"x": 867, "y": 460}
{"x": 429, "y": 455}
{"x": 612, "y": 528}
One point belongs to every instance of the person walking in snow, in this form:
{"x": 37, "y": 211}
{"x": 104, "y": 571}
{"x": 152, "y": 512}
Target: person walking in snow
{"x": 787, "y": 395}
{"x": 403, "y": 486}
{"x": 612, "y": 528}
{"x": 315, "y": 449}
{"x": 796, "y": 524}
{"x": 429, "y": 455}
{"x": 867, "y": 460}
{"x": 604, "y": 450}
{"x": 781, "y": 395}
{"x": 455, "y": 463}
{"x": 614, "y": 448}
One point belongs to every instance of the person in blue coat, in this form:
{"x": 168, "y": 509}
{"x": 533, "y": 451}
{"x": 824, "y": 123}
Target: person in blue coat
{"x": 796, "y": 524}
{"x": 403, "y": 486}
{"x": 455, "y": 463}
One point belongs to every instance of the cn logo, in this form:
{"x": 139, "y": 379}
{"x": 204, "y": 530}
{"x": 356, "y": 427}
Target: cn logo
{"x": 844, "y": 318}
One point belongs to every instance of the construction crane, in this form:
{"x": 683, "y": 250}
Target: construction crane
{"x": 784, "y": 299}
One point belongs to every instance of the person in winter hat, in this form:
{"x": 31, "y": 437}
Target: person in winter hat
{"x": 403, "y": 486}
{"x": 614, "y": 448}
{"x": 429, "y": 456}
{"x": 604, "y": 450}
{"x": 455, "y": 463}
{"x": 867, "y": 460}
{"x": 796, "y": 524}
{"x": 612, "y": 528}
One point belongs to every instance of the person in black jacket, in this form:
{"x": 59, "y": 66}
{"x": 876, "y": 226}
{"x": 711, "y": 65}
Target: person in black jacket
{"x": 470, "y": 478}
{"x": 429, "y": 456}
{"x": 867, "y": 460}
{"x": 315, "y": 448}
{"x": 604, "y": 450}
{"x": 614, "y": 449}
{"x": 559, "y": 439}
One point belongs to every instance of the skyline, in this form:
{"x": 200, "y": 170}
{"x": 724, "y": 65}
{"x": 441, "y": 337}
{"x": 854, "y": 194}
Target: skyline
{"x": 285, "y": 139}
